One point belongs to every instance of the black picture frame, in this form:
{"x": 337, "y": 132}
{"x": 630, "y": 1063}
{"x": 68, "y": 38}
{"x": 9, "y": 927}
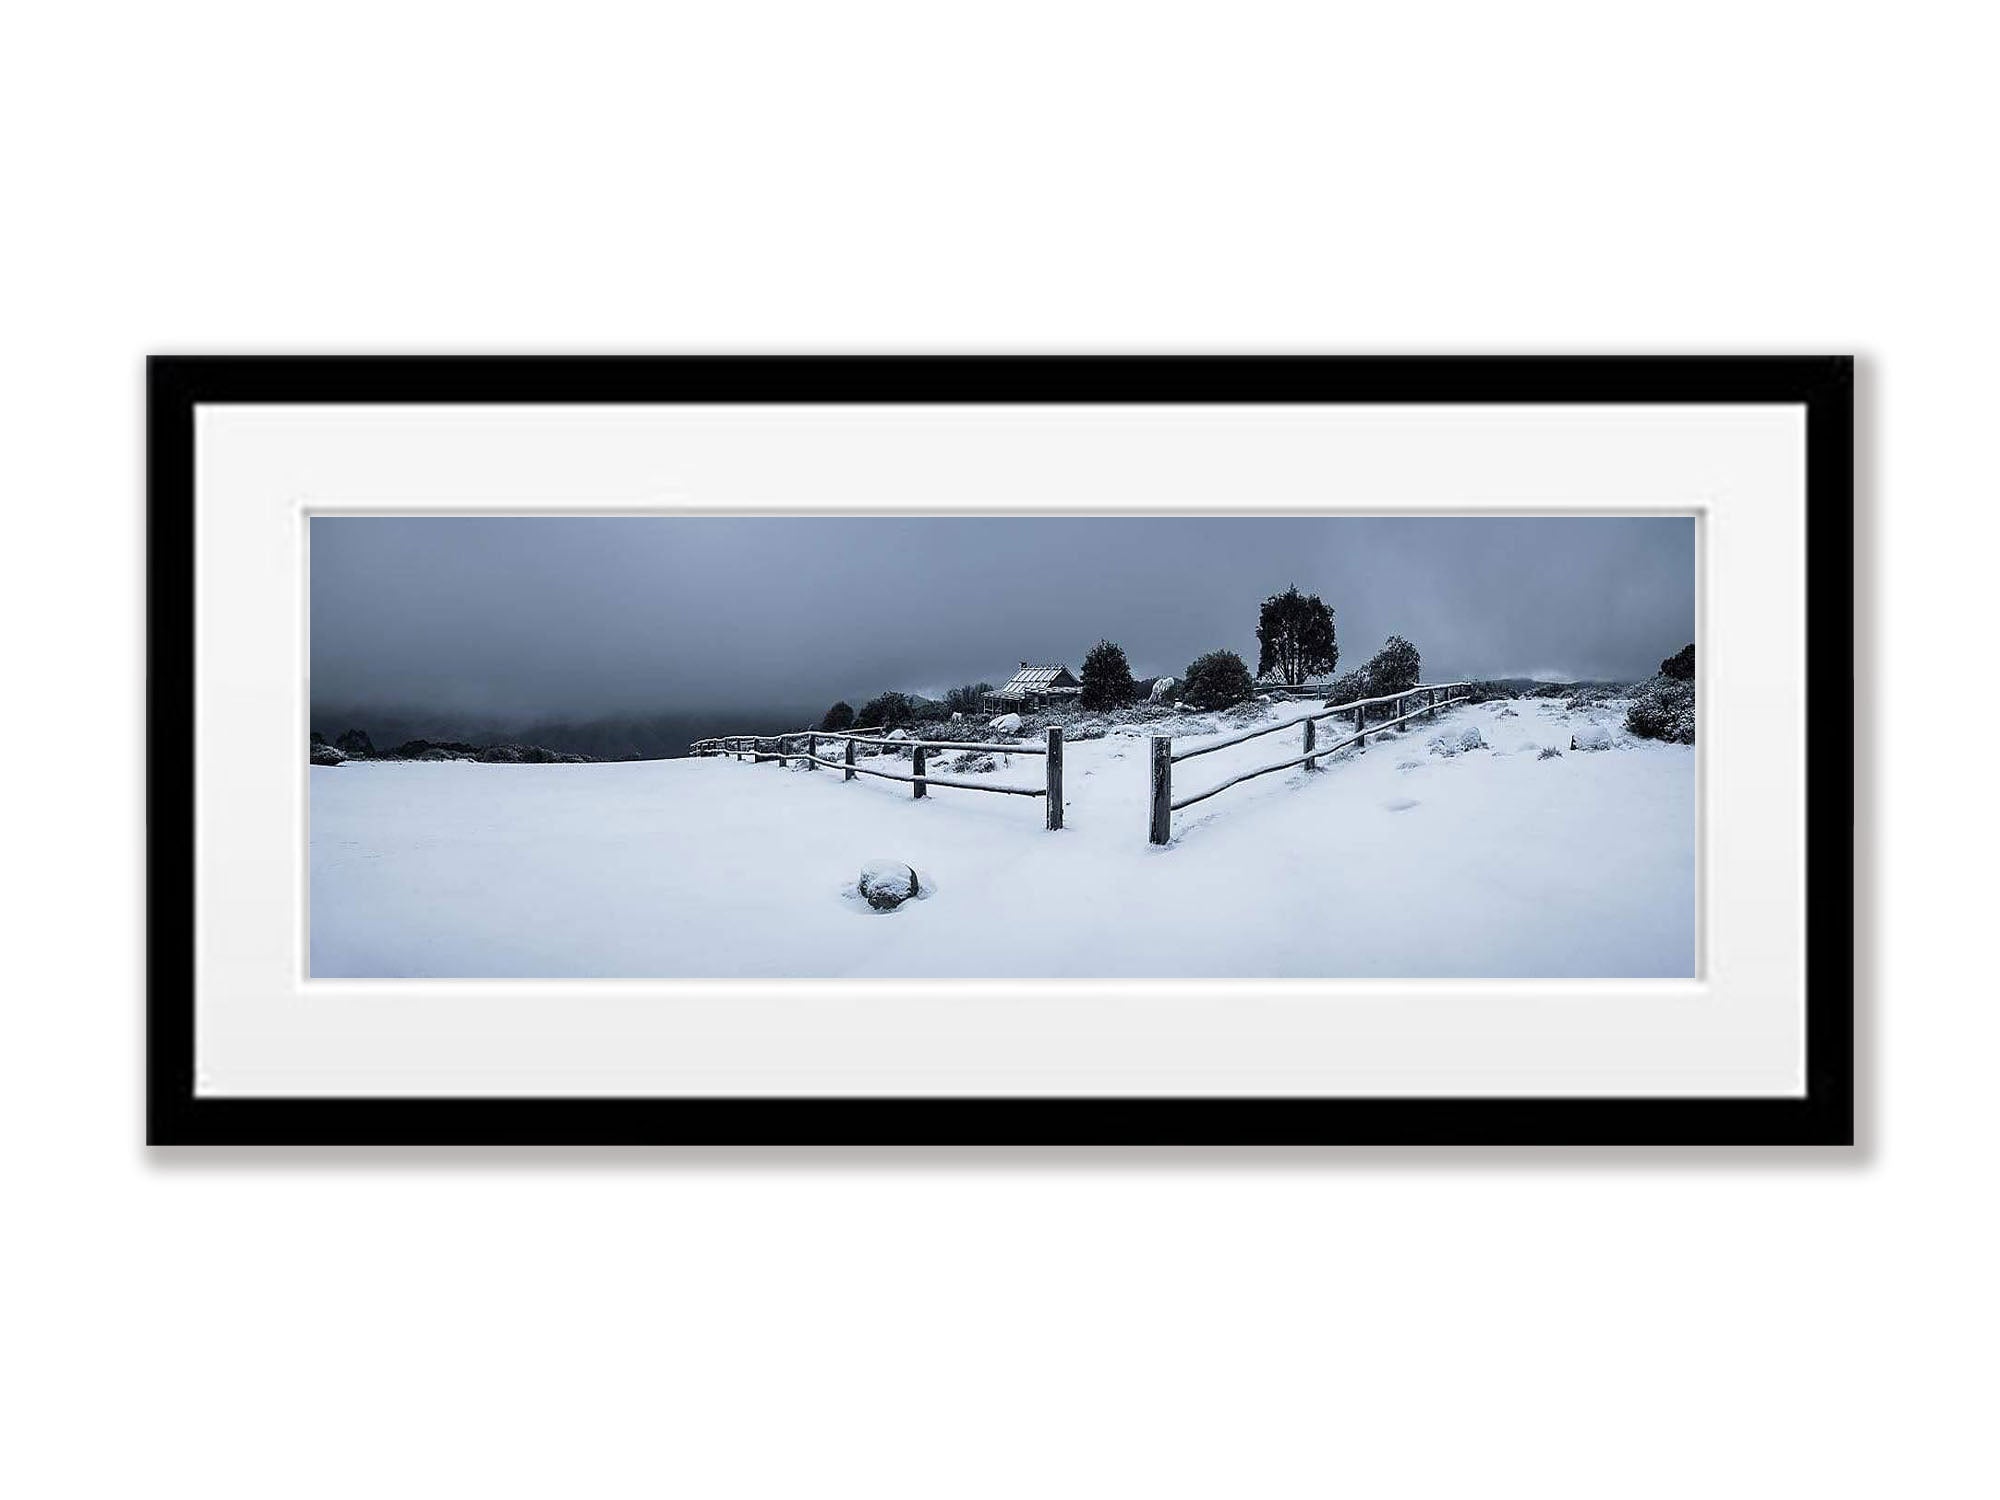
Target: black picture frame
{"x": 1823, "y": 1115}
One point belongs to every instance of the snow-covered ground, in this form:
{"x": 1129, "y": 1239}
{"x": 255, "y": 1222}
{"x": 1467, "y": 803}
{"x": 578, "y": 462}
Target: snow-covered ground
{"x": 1393, "y": 861}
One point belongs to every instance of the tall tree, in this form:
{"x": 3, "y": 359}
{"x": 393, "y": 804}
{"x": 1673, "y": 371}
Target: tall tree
{"x": 1295, "y": 637}
{"x": 1107, "y": 678}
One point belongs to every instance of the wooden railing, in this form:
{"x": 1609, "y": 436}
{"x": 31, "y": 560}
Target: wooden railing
{"x": 751, "y": 747}
{"x": 1162, "y": 805}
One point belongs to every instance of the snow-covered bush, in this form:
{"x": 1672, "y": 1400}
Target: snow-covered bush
{"x": 1006, "y": 723}
{"x": 1396, "y": 667}
{"x": 1663, "y": 709}
{"x": 840, "y": 716}
{"x": 1163, "y": 689}
{"x": 972, "y": 760}
{"x": 886, "y": 884}
{"x": 1449, "y": 744}
{"x": 1549, "y": 752}
{"x": 1590, "y": 737}
{"x": 1680, "y": 666}
{"x": 324, "y": 754}
{"x": 1216, "y": 680}
{"x": 354, "y": 742}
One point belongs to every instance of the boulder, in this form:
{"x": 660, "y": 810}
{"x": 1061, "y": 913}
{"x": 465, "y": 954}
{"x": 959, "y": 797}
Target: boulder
{"x": 324, "y": 754}
{"x": 1163, "y": 690}
{"x": 1006, "y": 723}
{"x": 886, "y": 884}
{"x": 1472, "y": 739}
{"x": 1590, "y": 737}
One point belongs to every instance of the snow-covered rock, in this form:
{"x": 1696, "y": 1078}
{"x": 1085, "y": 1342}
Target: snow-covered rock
{"x": 1006, "y": 723}
{"x": 886, "y": 884}
{"x": 1590, "y": 737}
{"x": 897, "y": 734}
{"x": 1164, "y": 689}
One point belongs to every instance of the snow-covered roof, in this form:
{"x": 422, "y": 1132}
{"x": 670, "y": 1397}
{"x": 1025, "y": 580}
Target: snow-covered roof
{"x": 1037, "y": 680}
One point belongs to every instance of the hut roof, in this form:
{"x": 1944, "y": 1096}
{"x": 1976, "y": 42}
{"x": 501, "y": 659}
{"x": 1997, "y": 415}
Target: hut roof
{"x": 1037, "y": 680}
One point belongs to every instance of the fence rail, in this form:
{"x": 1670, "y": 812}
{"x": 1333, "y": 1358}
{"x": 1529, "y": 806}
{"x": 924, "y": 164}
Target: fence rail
{"x": 919, "y": 780}
{"x": 1162, "y": 806}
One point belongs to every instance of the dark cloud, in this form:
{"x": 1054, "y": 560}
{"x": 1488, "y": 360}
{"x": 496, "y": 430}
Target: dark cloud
{"x": 526, "y": 618}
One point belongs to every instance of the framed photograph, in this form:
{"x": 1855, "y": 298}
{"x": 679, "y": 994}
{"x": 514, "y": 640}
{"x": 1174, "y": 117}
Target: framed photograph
{"x": 1001, "y": 750}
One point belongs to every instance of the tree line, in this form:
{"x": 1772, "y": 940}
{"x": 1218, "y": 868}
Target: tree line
{"x": 1296, "y": 644}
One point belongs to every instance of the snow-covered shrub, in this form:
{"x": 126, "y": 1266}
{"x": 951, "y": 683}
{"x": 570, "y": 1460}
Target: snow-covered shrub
{"x": 1163, "y": 689}
{"x": 1396, "y": 667}
{"x": 324, "y": 754}
{"x": 354, "y": 742}
{"x": 1449, "y": 744}
{"x": 1549, "y": 752}
{"x": 840, "y": 716}
{"x": 1663, "y": 709}
{"x": 1590, "y": 737}
{"x": 972, "y": 760}
{"x": 1592, "y": 695}
{"x": 1006, "y": 723}
{"x": 1680, "y": 666}
{"x": 1216, "y": 680}
{"x": 886, "y": 884}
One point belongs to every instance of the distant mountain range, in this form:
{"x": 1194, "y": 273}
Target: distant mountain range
{"x": 610, "y": 737}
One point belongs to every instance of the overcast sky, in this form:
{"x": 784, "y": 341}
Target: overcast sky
{"x": 531, "y": 617}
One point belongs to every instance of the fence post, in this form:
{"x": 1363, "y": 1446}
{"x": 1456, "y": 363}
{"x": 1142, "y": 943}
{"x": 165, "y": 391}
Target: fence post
{"x": 1055, "y": 793}
{"x": 848, "y": 774}
{"x": 1160, "y": 828}
{"x": 917, "y": 787}
{"x": 1311, "y": 740}
{"x": 812, "y": 752}
{"x": 1360, "y": 726}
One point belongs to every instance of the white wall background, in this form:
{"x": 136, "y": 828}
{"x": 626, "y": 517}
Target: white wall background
{"x": 1446, "y": 177}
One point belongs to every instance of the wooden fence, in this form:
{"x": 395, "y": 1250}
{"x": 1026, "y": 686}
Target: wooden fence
{"x": 751, "y": 747}
{"x": 1163, "y": 806}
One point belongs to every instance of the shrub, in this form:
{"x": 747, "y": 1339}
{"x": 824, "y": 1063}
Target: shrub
{"x": 839, "y": 717}
{"x": 1348, "y": 686}
{"x": 355, "y": 742}
{"x": 885, "y": 711}
{"x": 1395, "y": 668}
{"x": 1549, "y": 752}
{"x": 1107, "y": 678}
{"x": 1215, "y": 681}
{"x": 1295, "y": 636}
{"x": 1663, "y": 709}
{"x": 1680, "y": 666}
